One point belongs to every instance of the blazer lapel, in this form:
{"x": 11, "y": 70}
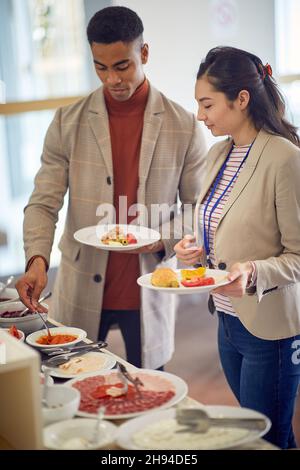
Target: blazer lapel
{"x": 98, "y": 121}
{"x": 213, "y": 169}
{"x": 151, "y": 129}
{"x": 245, "y": 175}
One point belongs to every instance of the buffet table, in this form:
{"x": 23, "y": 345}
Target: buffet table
{"x": 259, "y": 444}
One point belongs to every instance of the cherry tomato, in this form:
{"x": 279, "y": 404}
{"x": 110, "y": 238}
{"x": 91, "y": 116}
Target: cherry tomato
{"x": 131, "y": 239}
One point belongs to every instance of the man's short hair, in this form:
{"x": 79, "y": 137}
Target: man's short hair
{"x": 114, "y": 24}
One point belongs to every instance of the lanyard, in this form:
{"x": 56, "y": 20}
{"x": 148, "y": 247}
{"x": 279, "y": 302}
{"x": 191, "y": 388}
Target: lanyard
{"x": 206, "y": 233}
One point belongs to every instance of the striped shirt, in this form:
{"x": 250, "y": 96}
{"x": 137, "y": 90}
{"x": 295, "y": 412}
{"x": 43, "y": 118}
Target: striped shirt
{"x": 238, "y": 153}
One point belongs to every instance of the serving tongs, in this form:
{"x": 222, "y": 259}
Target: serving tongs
{"x": 66, "y": 350}
{"x": 137, "y": 383}
{"x": 60, "y": 359}
{"x": 197, "y": 420}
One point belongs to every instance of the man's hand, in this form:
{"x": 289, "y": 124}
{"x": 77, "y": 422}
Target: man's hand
{"x": 239, "y": 274}
{"x": 31, "y": 284}
{"x": 153, "y": 248}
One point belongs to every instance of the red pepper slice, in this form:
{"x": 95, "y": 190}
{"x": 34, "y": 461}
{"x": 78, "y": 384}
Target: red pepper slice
{"x": 198, "y": 282}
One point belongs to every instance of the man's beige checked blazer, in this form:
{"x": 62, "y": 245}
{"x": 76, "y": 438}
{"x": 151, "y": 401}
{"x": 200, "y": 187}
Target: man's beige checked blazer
{"x": 77, "y": 157}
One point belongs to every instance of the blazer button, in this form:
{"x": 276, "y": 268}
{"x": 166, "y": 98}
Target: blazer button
{"x": 108, "y": 180}
{"x": 222, "y": 266}
{"x": 97, "y": 278}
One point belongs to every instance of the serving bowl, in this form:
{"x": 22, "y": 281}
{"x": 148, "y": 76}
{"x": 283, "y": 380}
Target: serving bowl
{"x": 8, "y": 294}
{"x": 28, "y": 324}
{"x": 62, "y": 403}
{"x": 77, "y": 434}
{"x": 20, "y": 333}
{"x": 61, "y": 330}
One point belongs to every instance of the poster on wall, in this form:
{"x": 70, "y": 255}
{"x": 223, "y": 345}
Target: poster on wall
{"x": 224, "y": 19}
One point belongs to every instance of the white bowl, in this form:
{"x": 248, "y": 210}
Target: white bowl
{"x": 76, "y": 433}
{"x": 61, "y": 403}
{"x": 27, "y": 324}
{"x": 21, "y": 334}
{"x": 8, "y": 293}
{"x": 65, "y": 330}
{"x": 42, "y": 380}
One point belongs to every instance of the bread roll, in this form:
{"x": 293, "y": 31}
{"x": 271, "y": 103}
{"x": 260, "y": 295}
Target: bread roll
{"x": 164, "y": 277}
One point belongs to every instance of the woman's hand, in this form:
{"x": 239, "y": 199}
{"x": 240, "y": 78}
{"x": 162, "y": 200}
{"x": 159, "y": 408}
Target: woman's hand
{"x": 240, "y": 274}
{"x": 186, "y": 253}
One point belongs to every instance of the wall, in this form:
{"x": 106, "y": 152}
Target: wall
{"x": 180, "y": 33}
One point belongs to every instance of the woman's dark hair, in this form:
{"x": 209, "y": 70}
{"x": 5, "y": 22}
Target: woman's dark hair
{"x": 231, "y": 70}
{"x": 114, "y": 24}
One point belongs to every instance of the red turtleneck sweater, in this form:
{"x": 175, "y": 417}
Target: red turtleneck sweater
{"x": 126, "y": 119}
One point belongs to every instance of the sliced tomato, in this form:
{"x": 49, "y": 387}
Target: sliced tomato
{"x": 198, "y": 282}
{"x": 131, "y": 239}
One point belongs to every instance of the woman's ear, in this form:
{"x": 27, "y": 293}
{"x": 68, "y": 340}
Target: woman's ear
{"x": 243, "y": 99}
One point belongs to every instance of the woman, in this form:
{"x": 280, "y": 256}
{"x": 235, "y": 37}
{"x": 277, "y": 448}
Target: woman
{"x": 249, "y": 214}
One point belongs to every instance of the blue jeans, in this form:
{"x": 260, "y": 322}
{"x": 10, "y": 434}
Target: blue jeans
{"x": 263, "y": 374}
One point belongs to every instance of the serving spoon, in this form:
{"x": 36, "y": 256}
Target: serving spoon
{"x": 46, "y": 296}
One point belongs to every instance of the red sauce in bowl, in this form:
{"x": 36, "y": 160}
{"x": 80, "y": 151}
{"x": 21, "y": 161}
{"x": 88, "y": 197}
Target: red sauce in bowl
{"x": 56, "y": 339}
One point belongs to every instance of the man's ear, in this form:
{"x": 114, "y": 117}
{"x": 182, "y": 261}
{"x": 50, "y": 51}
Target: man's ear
{"x": 243, "y": 99}
{"x": 145, "y": 53}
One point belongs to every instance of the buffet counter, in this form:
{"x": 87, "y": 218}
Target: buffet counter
{"x": 259, "y": 444}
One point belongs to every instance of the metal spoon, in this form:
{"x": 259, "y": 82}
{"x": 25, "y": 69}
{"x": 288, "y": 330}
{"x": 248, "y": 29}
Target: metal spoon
{"x": 47, "y": 372}
{"x": 45, "y": 325}
{"x": 95, "y": 437}
{"x": 8, "y": 282}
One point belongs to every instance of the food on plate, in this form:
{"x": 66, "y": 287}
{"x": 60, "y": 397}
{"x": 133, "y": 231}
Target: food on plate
{"x": 83, "y": 364}
{"x": 198, "y": 282}
{"x": 56, "y": 339}
{"x": 75, "y": 443}
{"x": 163, "y": 434}
{"x": 118, "y": 237}
{"x": 187, "y": 274}
{"x": 14, "y": 314}
{"x": 103, "y": 390}
{"x": 164, "y": 277}
{"x": 14, "y": 332}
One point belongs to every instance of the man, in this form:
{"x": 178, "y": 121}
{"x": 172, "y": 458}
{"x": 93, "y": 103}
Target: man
{"x": 125, "y": 139}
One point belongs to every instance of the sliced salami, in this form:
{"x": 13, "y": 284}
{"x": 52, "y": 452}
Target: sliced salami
{"x": 95, "y": 392}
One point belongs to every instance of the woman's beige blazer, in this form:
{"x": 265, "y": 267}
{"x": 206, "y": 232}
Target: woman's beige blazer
{"x": 261, "y": 222}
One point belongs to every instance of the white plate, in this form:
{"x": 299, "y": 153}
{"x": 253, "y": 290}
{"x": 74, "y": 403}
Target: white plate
{"x": 179, "y": 385}
{"x": 131, "y": 434}
{"x": 219, "y": 275}
{"x": 109, "y": 362}
{"x": 65, "y": 330}
{"x": 92, "y": 236}
{"x": 56, "y": 435}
